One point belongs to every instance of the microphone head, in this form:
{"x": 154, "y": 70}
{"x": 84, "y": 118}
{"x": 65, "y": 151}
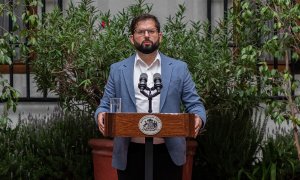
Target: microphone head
{"x": 143, "y": 76}
{"x": 143, "y": 82}
{"x": 157, "y": 82}
{"x": 156, "y": 76}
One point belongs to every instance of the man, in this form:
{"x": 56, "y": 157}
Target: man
{"x": 178, "y": 88}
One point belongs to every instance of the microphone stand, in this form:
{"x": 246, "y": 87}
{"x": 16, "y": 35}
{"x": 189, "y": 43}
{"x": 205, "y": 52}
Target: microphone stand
{"x": 150, "y": 96}
{"x": 149, "y": 140}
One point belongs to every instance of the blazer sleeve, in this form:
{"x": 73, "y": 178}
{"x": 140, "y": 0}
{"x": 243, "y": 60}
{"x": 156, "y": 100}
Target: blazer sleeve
{"x": 109, "y": 92}
{"x": 190, "y": 97}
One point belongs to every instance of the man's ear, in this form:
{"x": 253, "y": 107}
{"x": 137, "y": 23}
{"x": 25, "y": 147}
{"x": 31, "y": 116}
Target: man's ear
{"x": 160, "y": 36}
{"x": 131, "y": 39}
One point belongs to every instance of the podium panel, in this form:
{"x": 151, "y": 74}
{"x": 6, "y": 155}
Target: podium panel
{"x": 154, "y": 124}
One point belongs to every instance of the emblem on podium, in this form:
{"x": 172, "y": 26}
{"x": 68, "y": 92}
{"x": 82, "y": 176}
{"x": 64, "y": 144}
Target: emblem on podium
{"x": 150, "y": 125}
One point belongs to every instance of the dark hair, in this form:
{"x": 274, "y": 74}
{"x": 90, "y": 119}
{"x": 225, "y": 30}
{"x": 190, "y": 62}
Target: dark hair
{"x": 143, "y": 17}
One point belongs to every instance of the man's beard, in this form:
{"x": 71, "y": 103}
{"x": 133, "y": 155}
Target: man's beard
{"x": 146, "y": 49}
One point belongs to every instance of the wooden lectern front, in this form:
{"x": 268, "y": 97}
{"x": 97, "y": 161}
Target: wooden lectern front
{"x": 149, "y": 125}
{"x": 129, "y": 124}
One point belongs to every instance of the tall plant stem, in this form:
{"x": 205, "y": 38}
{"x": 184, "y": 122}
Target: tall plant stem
{"x": 295, "y": 126}
{"x": 292, "y": 106}
{"x": 295, "y": 132}
{"x": 236, "y": 34}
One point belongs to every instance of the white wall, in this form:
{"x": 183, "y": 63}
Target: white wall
{"x": 24, "y": 109}
{"x": 196, "y": 10}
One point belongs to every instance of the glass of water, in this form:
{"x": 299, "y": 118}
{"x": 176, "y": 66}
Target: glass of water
{"x": 115, "y": 105}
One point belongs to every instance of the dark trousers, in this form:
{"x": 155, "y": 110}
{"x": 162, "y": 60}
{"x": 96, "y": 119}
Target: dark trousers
{"x": 163, "y": 166}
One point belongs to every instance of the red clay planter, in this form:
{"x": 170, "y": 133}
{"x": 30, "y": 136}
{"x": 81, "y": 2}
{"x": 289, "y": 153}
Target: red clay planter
{"x": 102, "y": 156}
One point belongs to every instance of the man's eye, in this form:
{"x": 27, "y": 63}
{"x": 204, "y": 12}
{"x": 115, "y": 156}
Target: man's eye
{"x": 143, "y": 32}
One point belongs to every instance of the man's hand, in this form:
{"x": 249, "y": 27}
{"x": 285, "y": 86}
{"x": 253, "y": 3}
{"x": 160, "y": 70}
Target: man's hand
{"x": 101, "y": 124}
{"x": 198, "y": 124}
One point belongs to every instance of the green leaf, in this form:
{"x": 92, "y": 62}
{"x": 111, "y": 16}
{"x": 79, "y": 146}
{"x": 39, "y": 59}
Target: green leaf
{"x": 287, "y": 76}
{"x": 273, "y": 171}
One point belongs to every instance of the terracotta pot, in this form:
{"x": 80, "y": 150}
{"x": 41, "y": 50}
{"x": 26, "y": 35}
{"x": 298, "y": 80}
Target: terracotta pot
{"x": 102, "y": 156}
{"x": 188, "y": 166}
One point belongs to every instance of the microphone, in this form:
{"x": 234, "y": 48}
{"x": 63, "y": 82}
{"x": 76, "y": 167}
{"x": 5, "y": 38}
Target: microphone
{"x": 143, "y": 82}
{"x": 157, "y": 82}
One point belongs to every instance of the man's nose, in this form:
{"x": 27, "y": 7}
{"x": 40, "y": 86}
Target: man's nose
{"x": 146, "y": 34}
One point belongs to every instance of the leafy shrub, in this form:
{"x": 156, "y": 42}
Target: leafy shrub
{"x": 228, "y": 86}
{"x": 278, "y": 162}
{"x": 267, "y": 31}
{"x": 231, "y": 142}
{"x": 53, "y": 147}
{"x": 74, "y": 51}
{"x": 8, "y": 44}
{"x": 223, "y": 81}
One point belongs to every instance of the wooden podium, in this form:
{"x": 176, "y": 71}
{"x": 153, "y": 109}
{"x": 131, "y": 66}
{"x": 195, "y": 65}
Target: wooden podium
{"x": 127, "y": 124}
{"x": 149, "y": 125}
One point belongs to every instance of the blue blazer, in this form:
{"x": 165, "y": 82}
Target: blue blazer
{"x": 178, "y": 88}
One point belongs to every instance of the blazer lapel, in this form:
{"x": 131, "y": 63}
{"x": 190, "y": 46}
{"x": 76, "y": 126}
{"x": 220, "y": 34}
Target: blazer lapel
{"x": 166, "y": 72}
{"x": 128, "y": 69}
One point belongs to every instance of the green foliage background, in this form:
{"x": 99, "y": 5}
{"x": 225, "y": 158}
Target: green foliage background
{"x": 48, "y": 147}
{"x": 73, "y": 54}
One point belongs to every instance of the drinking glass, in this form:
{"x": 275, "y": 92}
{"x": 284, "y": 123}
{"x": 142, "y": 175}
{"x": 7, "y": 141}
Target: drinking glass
{"x": 115, "y": 105}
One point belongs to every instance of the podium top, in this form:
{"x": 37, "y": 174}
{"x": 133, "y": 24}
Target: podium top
{"x": 149, "y": 125}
